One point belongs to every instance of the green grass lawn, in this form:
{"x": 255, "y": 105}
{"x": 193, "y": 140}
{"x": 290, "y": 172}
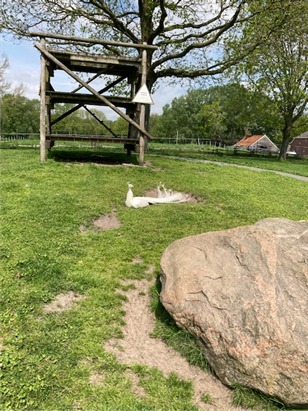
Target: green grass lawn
{"x": 292, "y": 165}
{"x": 47, "y": 358}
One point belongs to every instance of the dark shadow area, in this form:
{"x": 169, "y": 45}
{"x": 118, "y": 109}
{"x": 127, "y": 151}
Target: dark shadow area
{"x": 9, "y": 146}
{"x": 160, "y": 312}
{"x": 90, "y": 156}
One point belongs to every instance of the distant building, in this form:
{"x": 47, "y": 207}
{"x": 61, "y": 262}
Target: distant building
{"x": 299, "y": 145}
{"x": 259, "y": 144}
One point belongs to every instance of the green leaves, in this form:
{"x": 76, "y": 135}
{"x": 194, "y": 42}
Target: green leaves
{"x": 278, "y": 66}
{"x": 220, "y": 113}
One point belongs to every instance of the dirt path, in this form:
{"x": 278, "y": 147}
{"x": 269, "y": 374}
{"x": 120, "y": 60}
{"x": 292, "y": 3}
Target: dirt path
{"x": 138, "y": 347}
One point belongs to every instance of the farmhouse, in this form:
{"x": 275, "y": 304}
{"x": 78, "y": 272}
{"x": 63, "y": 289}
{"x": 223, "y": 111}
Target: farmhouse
{"x": 299, "y": 145}
{"x": 257, "y": 143}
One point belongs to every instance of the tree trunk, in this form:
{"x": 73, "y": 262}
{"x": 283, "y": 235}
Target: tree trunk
{"x": 286, "y": 132}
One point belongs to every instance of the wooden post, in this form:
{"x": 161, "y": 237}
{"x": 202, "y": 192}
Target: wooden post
{"x": 43, "y": 104}
{"x": 142, "y": 137}
{"x": 48, "y": 119}
{"x": 48, "y": 107}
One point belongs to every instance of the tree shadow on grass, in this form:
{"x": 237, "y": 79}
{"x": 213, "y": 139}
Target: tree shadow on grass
{"x": 91, "y": 156}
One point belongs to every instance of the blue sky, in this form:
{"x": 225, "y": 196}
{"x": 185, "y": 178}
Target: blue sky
{"x": 24, "y": 67}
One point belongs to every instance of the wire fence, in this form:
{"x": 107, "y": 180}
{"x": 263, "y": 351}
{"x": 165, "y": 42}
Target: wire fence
{"x": 160, "y": 144}
{"x": 19, "y": 136}
{"x": 163, "y": 140}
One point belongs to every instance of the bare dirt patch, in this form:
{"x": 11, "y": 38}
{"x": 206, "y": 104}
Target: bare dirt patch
{"x": 62, "y": 302}
{"x": 107, "y": 222}
{"x": 97, "y": 379}
{"x": 148, "y": 163}
{"x": 104, "y": 222}
{"x": 138, "y": 260}
{"x": 136, "y": 388}
{"x": 138, "y": 347}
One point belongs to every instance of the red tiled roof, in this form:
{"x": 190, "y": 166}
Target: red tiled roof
{"x": 247, "y": 141}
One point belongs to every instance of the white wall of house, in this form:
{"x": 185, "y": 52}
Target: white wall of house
{"x": 264, "y": 144}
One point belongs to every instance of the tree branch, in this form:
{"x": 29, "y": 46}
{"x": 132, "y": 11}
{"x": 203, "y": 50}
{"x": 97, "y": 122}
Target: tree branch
{"x": 194, "y": 46}
{"x": 160, "y": 27}
{"x": 114, "y": 22}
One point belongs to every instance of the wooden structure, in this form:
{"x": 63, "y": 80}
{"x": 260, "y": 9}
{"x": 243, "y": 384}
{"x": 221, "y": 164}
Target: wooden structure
{"x": 133, "y": 70}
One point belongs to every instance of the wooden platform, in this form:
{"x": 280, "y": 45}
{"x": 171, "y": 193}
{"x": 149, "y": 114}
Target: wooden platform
{"x": 87, "y": 98}
{"x": 94, "y": 63}
{"x": 97, "y": 139}
{"x": 130, "y": 144}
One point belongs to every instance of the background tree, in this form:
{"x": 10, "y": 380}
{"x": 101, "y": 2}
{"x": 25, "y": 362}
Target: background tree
{"x": 154, "y": 124}
{"x": 300, "y": 126}
{"x": 245, "y": 111}
{"x": 181, "y": 118}
{"x": 119, "y": 127}
{"x": 224, "y": 113}
{"x": 4, "y": 84}
{"x": 279, "y": 67}
{"x": 19, "y": 114}
{"x": 214, "y": 121}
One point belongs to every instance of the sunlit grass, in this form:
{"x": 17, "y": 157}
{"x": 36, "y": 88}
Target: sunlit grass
{"x": 48, "y": 358}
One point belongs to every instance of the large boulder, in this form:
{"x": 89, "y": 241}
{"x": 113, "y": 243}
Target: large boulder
{"x": 244, "y": 294}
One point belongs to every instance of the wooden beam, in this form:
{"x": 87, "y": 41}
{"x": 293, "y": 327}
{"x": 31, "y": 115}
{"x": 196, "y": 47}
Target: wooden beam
{"x": 43, "y": 105}
{"x": 142, "y": 141}
{"x": 89, "y": 81}
{"x": 92, "y": 41}
{"x": 91, "y": 89}
{"x": 114, "y": 83}
{"x": 87, "y": 98}
{"x": 67, "y": 113}
{"x": 100, "y": 121}
{"x": 68, "y": 137}
{"x": 73, "y": 109}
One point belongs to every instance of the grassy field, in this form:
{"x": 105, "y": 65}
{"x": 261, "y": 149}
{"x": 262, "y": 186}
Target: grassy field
{"x": 47, "y": 358}
{"x": 293, "y": 165}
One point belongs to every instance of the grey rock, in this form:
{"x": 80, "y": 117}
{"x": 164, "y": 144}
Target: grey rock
{"x": 243, "y": 293}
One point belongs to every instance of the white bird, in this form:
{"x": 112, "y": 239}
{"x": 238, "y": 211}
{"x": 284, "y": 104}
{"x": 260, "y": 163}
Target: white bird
{"x": 165, "y": 193}
{"x": 159, "y": 193}
{"x": 139, "y": 202}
